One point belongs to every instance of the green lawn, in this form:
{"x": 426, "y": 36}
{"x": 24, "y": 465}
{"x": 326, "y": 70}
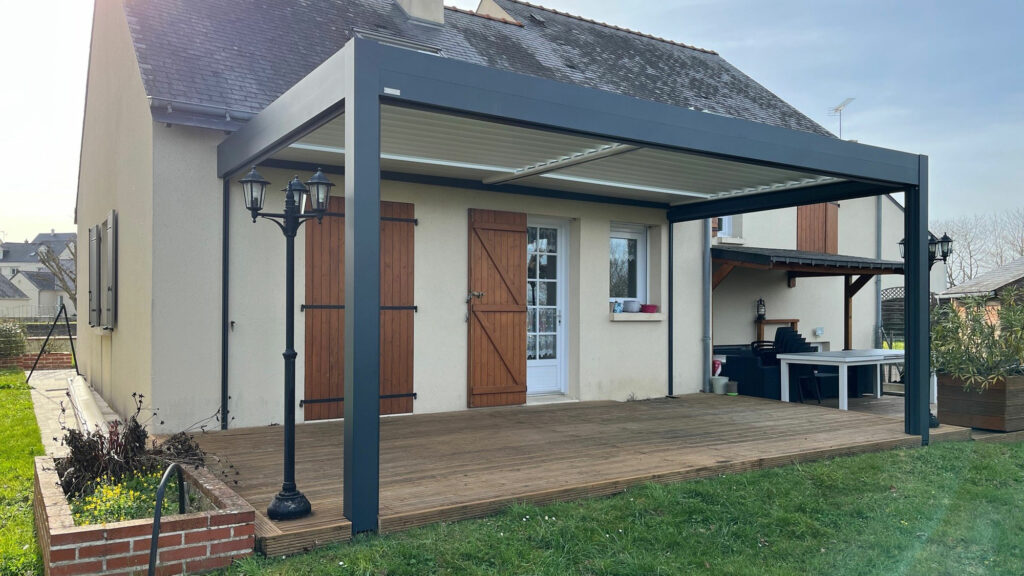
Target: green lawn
{"x": 948, "y": 509}
{"x": 19, "y": 444}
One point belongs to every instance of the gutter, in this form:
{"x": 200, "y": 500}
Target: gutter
{"x": 224, "y": 321}
{"x": 177, "y": 112}
{"x": 671, "y": 308}
{"x": 706, "y": 304}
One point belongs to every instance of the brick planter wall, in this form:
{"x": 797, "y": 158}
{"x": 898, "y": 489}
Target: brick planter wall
{"x": 50, "y": 361}
{"x": 189, "y": 543}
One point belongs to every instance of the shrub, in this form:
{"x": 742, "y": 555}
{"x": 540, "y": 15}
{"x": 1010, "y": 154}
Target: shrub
{"x": 12, "y": 340}
{"x": 978, "y": 343}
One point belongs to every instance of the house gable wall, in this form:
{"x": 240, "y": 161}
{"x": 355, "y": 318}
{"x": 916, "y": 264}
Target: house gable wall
{"x": 117, "y": 174}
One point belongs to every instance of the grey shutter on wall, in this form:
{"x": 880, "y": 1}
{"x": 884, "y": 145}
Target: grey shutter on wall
{"x": 109, "y": 246}
{"x": 94, "y": 276}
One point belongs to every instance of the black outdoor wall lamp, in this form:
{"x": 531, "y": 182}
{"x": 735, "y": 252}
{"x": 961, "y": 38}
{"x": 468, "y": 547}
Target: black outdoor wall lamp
{"x": 289, "y": 502}
{"x": 938, "y": 248}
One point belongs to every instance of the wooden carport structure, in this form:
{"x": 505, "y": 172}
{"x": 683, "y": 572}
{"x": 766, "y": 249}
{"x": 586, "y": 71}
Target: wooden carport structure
{"x": 856, "y": 271}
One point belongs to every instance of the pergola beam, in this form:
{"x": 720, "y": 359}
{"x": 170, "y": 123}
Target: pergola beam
{"x": 787, "y": 198}
{"x": 447, "y": 83}
{"x": 310, "y": 103}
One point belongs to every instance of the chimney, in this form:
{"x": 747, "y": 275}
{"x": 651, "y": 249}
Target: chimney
{"x": 426, "y": 10}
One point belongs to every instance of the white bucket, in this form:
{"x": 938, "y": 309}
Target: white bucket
{"x": 718, "y": 384}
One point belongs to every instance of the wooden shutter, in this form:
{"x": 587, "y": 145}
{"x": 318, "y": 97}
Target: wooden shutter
{"x": 817, "y": 228}
{"x": 325, "y": 314}
{"x": 94, "y": 276}
{"x": 497, "y": 308}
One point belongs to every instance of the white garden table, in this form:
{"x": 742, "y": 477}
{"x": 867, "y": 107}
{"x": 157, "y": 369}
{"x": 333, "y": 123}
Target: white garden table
{"x": 843, "y": 359}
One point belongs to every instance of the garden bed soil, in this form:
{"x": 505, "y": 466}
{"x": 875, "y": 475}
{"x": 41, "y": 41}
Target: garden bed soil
{"x": 1000, "y": 407}
{"x": 189, "y": 543}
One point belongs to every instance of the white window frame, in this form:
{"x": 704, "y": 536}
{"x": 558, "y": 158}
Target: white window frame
{"x": 726, "y": 229}
{"x": 636, "y": 232}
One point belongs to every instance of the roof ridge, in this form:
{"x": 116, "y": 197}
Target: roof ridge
{"x": 614, "y": 27}
{"x": 484, "y": 16}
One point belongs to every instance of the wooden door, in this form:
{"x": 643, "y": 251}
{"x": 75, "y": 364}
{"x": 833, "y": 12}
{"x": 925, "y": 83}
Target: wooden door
{"x": 497, "y": 308}
{"x": 325, "y": 314}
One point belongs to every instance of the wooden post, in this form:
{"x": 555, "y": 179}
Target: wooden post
{"x": 847, "y": 313}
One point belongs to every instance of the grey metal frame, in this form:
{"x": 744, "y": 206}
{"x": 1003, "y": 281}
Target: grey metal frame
{"x": 366, "y": 74}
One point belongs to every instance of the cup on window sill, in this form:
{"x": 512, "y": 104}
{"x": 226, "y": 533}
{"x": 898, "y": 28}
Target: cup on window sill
{"x": 631, "y": 306}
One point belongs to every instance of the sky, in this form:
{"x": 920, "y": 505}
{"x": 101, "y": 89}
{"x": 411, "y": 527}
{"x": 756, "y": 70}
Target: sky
{"x": 941, "y": 78}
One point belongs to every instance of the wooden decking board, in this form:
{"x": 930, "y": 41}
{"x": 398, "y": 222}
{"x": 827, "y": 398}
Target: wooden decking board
{"x": 433, "y": 467}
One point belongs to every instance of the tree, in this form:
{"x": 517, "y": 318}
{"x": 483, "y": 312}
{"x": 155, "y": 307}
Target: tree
{"x": 972, "y": 246}
{"x": 1009, "y": 236}
{"x": 65, "y": 270}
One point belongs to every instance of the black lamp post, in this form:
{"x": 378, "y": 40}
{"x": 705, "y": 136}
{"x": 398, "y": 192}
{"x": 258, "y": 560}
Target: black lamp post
{"x": 289, "y": 502}
{"x": 938, "y": 248}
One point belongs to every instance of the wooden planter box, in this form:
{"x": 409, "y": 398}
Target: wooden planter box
{"x": 1000, "y": 407}
{"x": 189, "y": 543}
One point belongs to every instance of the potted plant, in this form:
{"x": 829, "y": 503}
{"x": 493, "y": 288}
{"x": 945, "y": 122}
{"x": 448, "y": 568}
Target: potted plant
{"x": 977, "y": 351}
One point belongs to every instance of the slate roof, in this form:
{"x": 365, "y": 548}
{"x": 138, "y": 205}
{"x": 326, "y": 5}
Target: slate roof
{"x": 779, "y": 258}
{"x": 41, "y": 279}
{"x": 9, "y": 291}
{"x": 240, "y": 55}
{"x": 55, "y": 240}
{"x": 989, "y": 283}
{"x": 20, "y": 252}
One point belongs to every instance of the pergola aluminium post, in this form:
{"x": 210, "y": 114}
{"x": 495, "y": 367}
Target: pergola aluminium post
{"x": 917, "y": 305}
{"x": 362, "y": 294}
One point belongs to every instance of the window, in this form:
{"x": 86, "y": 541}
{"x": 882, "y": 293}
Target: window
{"x": 103, "y": 273}
{"x": 628, "y": 259}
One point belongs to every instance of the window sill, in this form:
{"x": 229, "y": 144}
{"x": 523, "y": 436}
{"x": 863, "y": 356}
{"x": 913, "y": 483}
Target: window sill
{"x": 636, "y": 317}
{"x": 729, "y": 240}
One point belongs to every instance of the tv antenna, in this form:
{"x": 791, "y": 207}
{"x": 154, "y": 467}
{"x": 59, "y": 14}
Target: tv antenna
{"x": 838, "y": 111}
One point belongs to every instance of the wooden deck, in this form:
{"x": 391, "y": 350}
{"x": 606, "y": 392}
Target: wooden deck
{"x": 468, "y": 464}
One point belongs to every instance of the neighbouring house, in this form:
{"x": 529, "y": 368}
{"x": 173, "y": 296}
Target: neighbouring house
{"x": 13, "y": 302}
{"x": 44, "y": 292}
{"x": 58, "y": 241}
{"x": 18, "y": 256}
{"x": 506, "y": 178}
{"x": 861, "y": 237}
{"x": 990, "y": 285}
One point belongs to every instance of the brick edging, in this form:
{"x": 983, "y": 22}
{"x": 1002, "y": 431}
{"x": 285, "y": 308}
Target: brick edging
{"x": 48, "y": 361}
{"x": 189, "y": 543}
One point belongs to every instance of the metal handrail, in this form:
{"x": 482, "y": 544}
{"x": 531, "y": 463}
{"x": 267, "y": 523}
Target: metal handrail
{"x": 182, "y": 503}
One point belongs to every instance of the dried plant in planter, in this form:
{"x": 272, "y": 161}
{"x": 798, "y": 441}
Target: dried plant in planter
{"x": 120, "y": 454}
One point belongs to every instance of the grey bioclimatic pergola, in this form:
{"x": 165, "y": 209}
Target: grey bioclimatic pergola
{"x": 759, "y": 167}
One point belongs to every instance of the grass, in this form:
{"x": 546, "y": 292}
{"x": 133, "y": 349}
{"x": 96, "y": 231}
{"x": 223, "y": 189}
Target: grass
{"x": 947, "y": 509}
{"x": 20, "y": 443}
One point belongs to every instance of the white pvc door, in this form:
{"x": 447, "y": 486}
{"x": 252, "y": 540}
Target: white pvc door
{"x": 546, "y": 247}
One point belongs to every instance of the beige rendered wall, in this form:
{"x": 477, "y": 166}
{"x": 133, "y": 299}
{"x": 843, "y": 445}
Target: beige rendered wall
{"x": 117, "y": 173}
{"x": 608, "y": 360}
{"x": 816, "y": 302}
{"x": 186, "y": 301}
